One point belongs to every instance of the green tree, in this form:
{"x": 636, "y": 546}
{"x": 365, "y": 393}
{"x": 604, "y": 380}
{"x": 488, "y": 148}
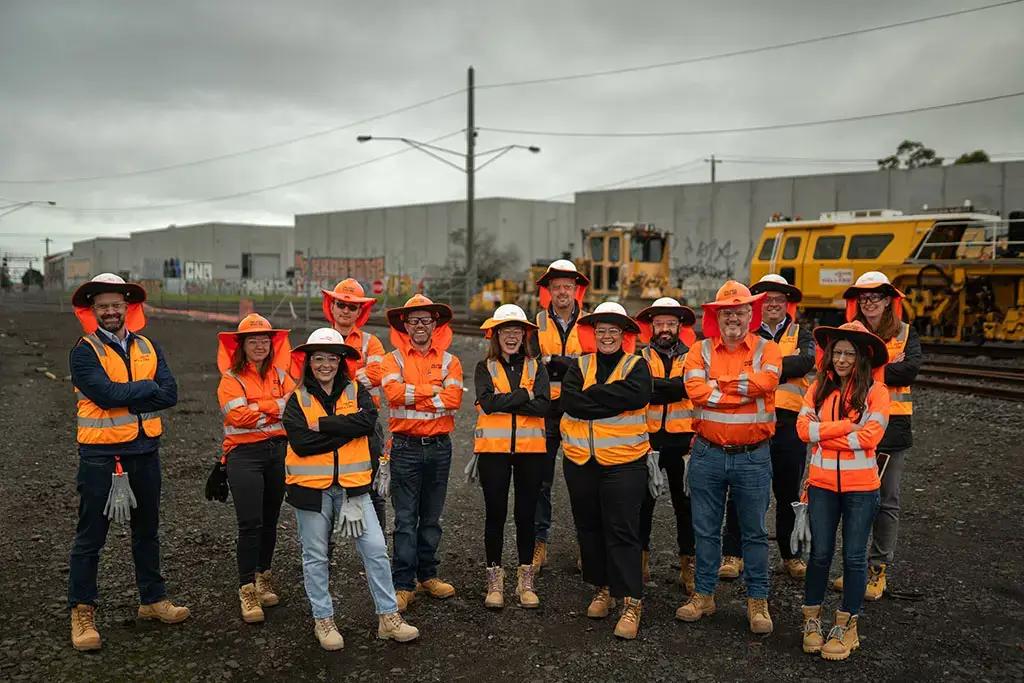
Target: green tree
{"x": 911, "y": 154}
{"x": 978, "y": 156}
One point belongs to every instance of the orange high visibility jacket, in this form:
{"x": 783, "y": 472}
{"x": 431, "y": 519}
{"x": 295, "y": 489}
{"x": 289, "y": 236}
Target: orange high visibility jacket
{"x": 675, "y": 418}
{"x": 369, "y": 368}
{"x": 504, "y": 432}
{"x": 408, "y": 383}
{"x": 549, "y": 339}
{"x": 843, "y": 446}
{"x": 253, "y": 405}
{"x": 117, "y": 425}
{"x": 733, "y": 392}
{"x": 612, "y": 440}
{"x": 350, "y": 463}
{"x": 899, "y": 396}
{"x": 790, "y": 394}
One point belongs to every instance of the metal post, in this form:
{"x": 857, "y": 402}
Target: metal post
{"x": 309, "y": 277}
{"x": 470, "y": 188}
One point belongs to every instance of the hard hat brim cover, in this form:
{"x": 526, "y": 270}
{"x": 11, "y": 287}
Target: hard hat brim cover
{"x": 685, "y": 314}
{"x": 793, "y": 294}
{"x": 862, "y": 339}
{"x": 396, "y": 316}
{"x": 82, "y": 298}
{"x": 623, "y": 321}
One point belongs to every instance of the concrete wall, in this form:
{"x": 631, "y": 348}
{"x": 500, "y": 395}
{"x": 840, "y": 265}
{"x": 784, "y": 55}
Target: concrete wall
{"x": 105, "y": 254}
{"x": 220, "y": 244}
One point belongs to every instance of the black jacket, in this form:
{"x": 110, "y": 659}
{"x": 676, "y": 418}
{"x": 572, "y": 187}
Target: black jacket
{"x": 517, "y": 401}
{"x": 668, "y": 390}
{"x": 335, "y": 431}
{"x": 793, "y": 366}
{"x": 606, "y": 400}
{"x": 899, "y": 434}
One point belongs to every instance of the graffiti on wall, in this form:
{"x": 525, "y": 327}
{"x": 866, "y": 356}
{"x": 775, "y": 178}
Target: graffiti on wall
{"x": 325, "y": 271}
{"x": 704, "y": 265}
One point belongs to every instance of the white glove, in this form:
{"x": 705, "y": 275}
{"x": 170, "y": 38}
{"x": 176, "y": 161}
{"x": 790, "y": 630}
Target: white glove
{"x": 382, "y": 482}
{"x": 686, "y": 475}
{"x": 655, "y": 478}
{"x": 120, "y": 500}
{"x": 350, "y": 519}
{"x": 472, "y": 470}
{"x": 800, "y": 539}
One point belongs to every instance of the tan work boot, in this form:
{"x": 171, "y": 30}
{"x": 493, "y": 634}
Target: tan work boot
{"x": 495, "y": 598}
{"x": 813, "y": 637}
{"x": 540, "y": 556}
{"x": 699, "y": 605}
{"x": 393, "y": 627}
{"x": 404, "y": 599}
{"x": 687, "y": 574}
{"x": 436, "y": 588}
{"x": 629, "y": 622}
{"x": 524, "y": 587}
{"x": 645, "y": 565}
{"x": 842, "y": 639}
{"x": 837, "y": 584}
{"x": 327, "y": 633}
{"x": 795, "y": 567}
{"x": 601, "y": 604}
{"x": 84, "y": 635}
{"x": 876, "y": 583}
{"x": 758, "y": 617}
{"x": 252, "y": 612}
{"x": 731, "y": 567}
{"x": 265, "y": 589}
{"x": 164, "y": 611}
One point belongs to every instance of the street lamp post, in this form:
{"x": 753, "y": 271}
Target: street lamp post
{"x": 469, "y": 168}
{"x": 18, "y": 206}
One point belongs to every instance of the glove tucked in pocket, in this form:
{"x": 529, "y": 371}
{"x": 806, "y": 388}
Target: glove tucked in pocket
{"x": 121, "y": 499}
{"x": 217, "y": 483}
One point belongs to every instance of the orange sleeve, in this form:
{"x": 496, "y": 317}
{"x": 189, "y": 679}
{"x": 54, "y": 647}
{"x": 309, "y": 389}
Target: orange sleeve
{"x": 803, "y": 420}
{"x": 450, "y": 396}
{"x": 702, "y": 390}
{"x": 373, "y": 371}
{"x": 274, "y": 407}
{"x": 868, "y": 435}
{"x": 756, "y": 384}
{"x": 398, "y": 391}
{"x": 237, "y": 410}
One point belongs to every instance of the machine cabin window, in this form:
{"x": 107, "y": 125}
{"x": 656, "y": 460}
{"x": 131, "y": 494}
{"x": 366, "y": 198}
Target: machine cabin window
{"x": 766, "y": 249}
{"x": 829, "y": 248}
{"x": 868, "y": 246}
{"x": 597, "y": 248}
{"x": 646, "y": 249}
{"x": 613, "y": 249}
{"x": 791, "y": 249}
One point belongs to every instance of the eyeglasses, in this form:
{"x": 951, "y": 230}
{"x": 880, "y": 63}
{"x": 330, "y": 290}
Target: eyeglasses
{"x": 258, "y": 341}
{"x": 325, "y": 358}
{"x": 779, "y": 299}
{"x": 419, "y": 322}
{"x": 511, "y": 331}
{"x": 347, "y": 306}
{"x": 871, "y": 298}
{"x": 607, "y": 332}
{"x": 844, "y": 354}
{"x": 733, "y": 313}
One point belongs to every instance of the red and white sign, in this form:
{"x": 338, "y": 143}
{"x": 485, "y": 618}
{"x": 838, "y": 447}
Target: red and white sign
{"x": 377, "y": 287}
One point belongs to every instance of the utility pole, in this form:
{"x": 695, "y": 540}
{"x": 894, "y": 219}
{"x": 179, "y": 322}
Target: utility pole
{"x": 47, "y": 241}
{"x": 470, "y": 188}
{"x": 714, "y": 162}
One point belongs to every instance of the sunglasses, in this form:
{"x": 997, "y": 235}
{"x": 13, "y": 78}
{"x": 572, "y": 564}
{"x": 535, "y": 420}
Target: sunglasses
{"x": 419, "y": 322}
{"x": 347, "y": 306}
{"x": 872, "y": 298}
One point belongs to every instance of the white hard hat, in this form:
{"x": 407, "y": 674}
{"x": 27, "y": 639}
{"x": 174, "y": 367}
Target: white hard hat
{"x": 611, "y": 312}
{"x": 108, "y": 278}
{"x": 666, "y": 302}
{"x": 611, "y": 307}
{"x": 330, "y": 340}
{"x": 504, "y": 314}
{"x": 563, "y": 268}
{"x": 774, "y": 277}
{"x": 872, "y": 278}
{"x": 564, "y": 265}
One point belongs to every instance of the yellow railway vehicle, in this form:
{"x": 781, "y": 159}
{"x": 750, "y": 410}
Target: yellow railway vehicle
{"x": 962, "y": 270}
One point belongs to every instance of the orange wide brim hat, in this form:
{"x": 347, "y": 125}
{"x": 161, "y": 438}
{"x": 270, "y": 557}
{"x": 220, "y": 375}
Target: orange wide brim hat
{"x": 349, "y": 291}
{"x": 228, "y": 342}
{"x": 729, "y": 295}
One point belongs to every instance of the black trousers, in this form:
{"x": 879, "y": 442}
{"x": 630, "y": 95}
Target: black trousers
{"x": 788, "y": 456}
{"x": 671, "y": 461}
{"x": 256, "y": 478}
{"x": 606, "y": 503}
{"x": 497, "y": 472}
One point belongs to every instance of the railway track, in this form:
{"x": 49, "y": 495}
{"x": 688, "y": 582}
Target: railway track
{"x": 967, "y": 378}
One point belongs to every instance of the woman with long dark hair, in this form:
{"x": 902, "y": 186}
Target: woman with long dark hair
{"x": 512, "y": 391}
{"x": 844, "y": 417}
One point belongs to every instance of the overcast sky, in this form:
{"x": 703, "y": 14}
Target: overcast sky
{"x": 97, "y": 88}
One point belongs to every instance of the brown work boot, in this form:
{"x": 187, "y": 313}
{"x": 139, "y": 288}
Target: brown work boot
{"x": 84, "y": 635}
{"x": 795, "y": 567}
{"x": 495, "y": 598}
{"x": 629, "y": 622}
{"x": 436, "y": 588}
{"x": 164, "y": 611}
{"x": 837, "y": 584}
{"x": 252, "y": 612}
{"x": 393, "y": 627}
{"x": 524, "y": 587}
{"x": 687, "y": 574}
{"x": 601, "y": 604}
{"x": 731, "y": 567}
{"x": 404, "y": 599}
{"x": 645, "y": 565}
{"x": 813, "y": 637}
{"x": 540, "y": 556}
{"x": 699, "y": 605}
{"x": 326, "y": 632}
{"x": 842, "y": 639}
{"x": 265, "y": 589}
{"x": 758, "y": 617}
{"x": 876, "y": 583}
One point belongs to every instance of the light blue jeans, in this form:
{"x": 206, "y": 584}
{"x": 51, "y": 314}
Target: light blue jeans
{"x": 315, "y": 529}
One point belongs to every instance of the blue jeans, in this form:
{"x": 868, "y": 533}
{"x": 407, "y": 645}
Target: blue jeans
{"x": 94, "y": 479}
{"x": 315, "y": 530}
{"x": 747, "y": 478}
{"x": 857, "y": 511}
{"x": 419, "y": 485}
{"x": 552, "y": 441}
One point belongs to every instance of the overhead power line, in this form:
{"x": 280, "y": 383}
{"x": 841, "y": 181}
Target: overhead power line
{"x": 749, "y": 129}
{"x": 746, "y": 51}
{"x": 236, "y": 154}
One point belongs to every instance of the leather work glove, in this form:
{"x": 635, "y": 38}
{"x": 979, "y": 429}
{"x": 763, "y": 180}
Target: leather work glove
{"x": 382, "y": 482}
{"x": 800, "y": 539}
{"x": 686, "y": 475}
{"x": 472, "y": 470}
{"x": 655, "y": 478}
{"x": 120, "y": 500}
{"x": 217, "y": 483}
{"x": 350, "y": 519}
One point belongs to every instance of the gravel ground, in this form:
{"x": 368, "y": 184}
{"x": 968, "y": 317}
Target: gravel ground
{"x": 962, "y": 547}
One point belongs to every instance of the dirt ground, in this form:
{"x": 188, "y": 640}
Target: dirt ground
{"x": 961, "y": 547}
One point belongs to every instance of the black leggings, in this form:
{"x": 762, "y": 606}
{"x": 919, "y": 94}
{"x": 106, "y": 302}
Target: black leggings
{"x": 497, "y": 470}
{"x": 672, "y": 462}
{"x": 256, "y": 478}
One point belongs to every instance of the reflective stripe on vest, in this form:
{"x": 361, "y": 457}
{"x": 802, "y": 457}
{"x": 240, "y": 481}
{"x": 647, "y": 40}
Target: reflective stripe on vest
{"x": 549, "y": 339}
{"x": 265, "y": 427}
{"x": 901, "y": 403}
{"x": 741, "y": 413}
{"x": 408, "y": 412}
{"x": 349, "y": 465}
{"x": 494, "y": 431}
{"x": 614, "y": 440}
{"x": 851, "y": 469}
{"x": 118, "y": 425}
{"x": 790, "y": 394}
{"x": 674, "y": 418}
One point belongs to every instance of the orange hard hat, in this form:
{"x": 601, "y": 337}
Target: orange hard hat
{"x": 253, "y": 323}
{"x": 349, "y": 291}
{"x": 729, "y": 295}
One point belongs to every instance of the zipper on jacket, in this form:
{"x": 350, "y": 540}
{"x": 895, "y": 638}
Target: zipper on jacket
{"x": 835, "y": 417}
{"x": 128, "y": 367}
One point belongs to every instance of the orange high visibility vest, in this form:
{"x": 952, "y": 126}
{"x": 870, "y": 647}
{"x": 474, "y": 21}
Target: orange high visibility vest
{"x": 494, "y": 430}
{"x": 675, "y": 418}
{"x": 267, "y": 427}
{"x": 790, "y": 394}
{"x": 549, "y": 338}
{"x": 611, "y": 440}
{"x": 100, "y": 426}
{"x": 349, "y": 465}
{"x": 406, "y": 419}
{"x": 900, "y": 396}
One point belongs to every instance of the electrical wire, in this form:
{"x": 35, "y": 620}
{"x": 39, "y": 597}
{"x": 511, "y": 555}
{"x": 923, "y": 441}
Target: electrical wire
{"x": 745, "y": 51}
{"x": 748, "y": 129}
